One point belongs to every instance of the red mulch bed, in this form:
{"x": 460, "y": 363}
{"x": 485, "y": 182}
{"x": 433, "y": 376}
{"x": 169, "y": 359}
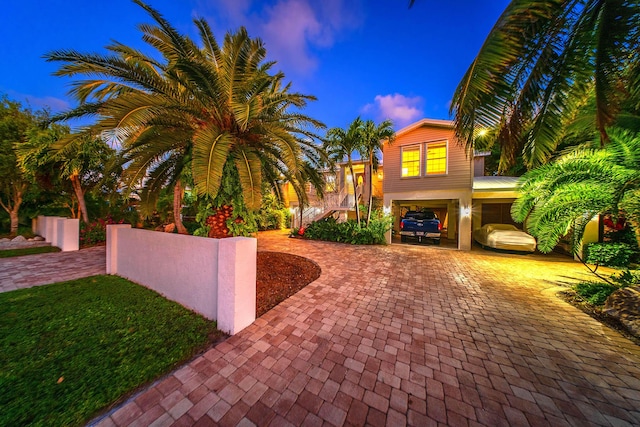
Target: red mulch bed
{"x": 280, "y": 275}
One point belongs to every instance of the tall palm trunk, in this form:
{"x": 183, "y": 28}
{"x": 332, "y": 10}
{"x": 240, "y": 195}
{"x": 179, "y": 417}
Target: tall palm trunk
{"x": 82, "y": 206}
{"x": 370, "y": 184}
{"x": 177, "y": 208}
{"x": 355, "y": 191}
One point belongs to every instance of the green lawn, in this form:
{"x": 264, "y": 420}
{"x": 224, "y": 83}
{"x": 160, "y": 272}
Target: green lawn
{"x": 6, "y": 253}
{"x": 69, "y": 349}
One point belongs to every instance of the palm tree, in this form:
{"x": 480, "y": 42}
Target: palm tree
{"x": 580, "y": 184}
{"x": 341, "y": 143}
{"x": 372, "y": 139}
{"x": 194, "y": 107}
{"x": 539, "y": 64}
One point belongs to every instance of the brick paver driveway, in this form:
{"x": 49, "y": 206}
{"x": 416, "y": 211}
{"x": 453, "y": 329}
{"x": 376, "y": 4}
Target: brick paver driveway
{"x": 408, "y": 335}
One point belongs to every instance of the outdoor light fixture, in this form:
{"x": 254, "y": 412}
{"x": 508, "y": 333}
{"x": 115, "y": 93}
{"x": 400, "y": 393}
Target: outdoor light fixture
{"x": 465, "y": 211}
{"x": 386, "y": 210}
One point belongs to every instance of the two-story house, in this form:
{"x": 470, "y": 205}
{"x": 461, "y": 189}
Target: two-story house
{"x": 426, "y": 167}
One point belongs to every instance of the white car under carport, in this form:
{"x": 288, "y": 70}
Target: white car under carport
{"x": 504, "y": 236}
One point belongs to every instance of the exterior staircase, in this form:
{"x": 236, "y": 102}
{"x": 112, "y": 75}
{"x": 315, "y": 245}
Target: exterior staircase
{"x": 332, "y": 204}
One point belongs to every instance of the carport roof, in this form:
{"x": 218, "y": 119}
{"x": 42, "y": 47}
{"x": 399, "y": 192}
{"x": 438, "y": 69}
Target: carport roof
{"x": 500, "y": 183}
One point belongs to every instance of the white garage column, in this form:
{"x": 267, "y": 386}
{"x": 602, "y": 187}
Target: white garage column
{"x": 464, "y": 224}
{"x": 388, "y": 208}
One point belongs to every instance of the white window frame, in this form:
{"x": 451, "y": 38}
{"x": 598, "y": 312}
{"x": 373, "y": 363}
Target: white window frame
{"x": 426, "y": 159}
{"x": 411, "y": 147}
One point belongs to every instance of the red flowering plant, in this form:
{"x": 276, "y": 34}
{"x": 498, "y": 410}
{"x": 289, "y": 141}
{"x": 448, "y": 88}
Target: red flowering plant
{"x": 95, "y": 232}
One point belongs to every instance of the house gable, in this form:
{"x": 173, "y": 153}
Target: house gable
{"x": 423, "y": 144}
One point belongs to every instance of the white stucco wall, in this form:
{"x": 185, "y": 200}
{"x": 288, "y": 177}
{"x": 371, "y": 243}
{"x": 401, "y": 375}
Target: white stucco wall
{"x": 182, "y": 268}
{"x": 61, "y": 232}
{"x": 214, "y": 277}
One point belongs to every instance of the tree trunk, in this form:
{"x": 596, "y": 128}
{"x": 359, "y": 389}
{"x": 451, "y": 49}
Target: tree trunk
{"x": 14, "y": 221}
{"x": 82, "y": 206}
{"x": 13, "y": 208}
{"x": 355, "y": 191}
{"x": 177, "y": 208}
{"x": 370, "y": 188}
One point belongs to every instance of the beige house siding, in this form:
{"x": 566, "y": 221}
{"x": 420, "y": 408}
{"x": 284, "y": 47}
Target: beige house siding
{"x": 459, "y": 166}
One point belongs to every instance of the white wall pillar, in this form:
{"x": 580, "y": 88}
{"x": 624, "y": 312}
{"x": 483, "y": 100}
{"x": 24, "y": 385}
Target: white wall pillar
{"x": 41, "y": 225}
{"x": 112, "y": 246}
{"x": 68, "y": 234}
{"x": 51, "y": 229}
{"x": 236, "y": 283}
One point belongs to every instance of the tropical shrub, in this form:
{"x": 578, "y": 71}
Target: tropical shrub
{"x": 609, "y": 253}
{"x": 95, "y": 232}
{"x": 626, "y": 278}
{"x": 595, "y": 293}
{"x": 272, "y": 215}
{"x": 349, "y": 232}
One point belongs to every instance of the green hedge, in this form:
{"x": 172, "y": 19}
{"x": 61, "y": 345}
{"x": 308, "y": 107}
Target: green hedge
{"x": 609, "y": 254}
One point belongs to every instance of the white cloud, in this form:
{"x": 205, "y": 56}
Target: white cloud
{"x": 291, "y": 29}
{"x": 401, "y": 109}
{"x": 291, "y": 25}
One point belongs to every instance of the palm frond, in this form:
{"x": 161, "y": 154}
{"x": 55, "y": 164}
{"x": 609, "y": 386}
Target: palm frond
{"x": 250, "y": 171}
{"x": 211, "y": 147}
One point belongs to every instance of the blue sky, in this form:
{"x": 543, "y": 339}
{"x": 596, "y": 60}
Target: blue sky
{"x": 373, "y": 58}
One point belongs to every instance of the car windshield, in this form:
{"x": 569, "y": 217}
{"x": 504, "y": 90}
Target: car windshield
{"x": 421, "y": 215}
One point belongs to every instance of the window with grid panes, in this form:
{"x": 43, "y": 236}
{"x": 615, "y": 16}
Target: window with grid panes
{"x": 436, "y": 158}
{"x": 410, "y": 161}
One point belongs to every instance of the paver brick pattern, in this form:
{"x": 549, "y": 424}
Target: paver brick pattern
{"x": 408, "y": 335}
{"x": 43, "y": 269}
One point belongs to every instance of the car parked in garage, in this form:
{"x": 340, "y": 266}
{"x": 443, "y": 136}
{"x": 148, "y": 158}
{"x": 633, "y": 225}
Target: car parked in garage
{"x": 504, "y": 236}
{"x": 420, "y": 225}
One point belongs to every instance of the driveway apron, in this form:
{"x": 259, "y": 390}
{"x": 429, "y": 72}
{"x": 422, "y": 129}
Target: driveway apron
{"x": 408, "y": 335}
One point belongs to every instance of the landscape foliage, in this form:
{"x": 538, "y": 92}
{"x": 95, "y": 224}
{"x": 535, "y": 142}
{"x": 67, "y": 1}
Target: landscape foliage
{"x": 331, "y": 230}
{"x": 610, "y": 254}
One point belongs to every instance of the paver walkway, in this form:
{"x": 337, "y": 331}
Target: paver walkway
{"x": 408, "y": 335}
{"x": 42, "y": 269}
